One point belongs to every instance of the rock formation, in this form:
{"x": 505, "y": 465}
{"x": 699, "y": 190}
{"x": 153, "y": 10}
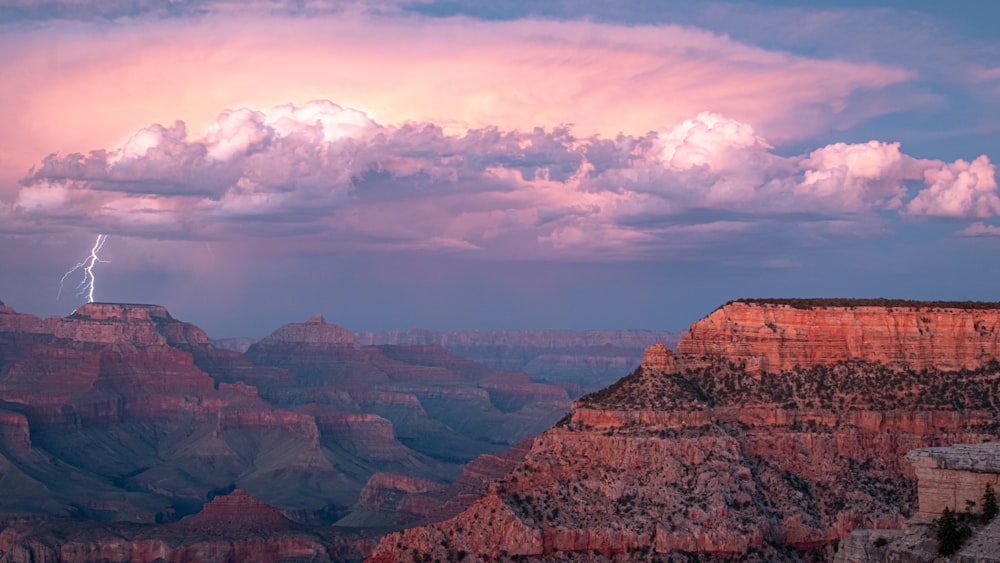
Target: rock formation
{"x": 438, "y": 404}
{"x": 406, "y": 501}
{"x": 586, "y": 359}
{"x": 109, "y": 411}
{"x": 778, "y": 429}
{"x": 777, "y": 335}
{"x": 952, "y": 477}
{"x": 235, "y": 527}
{"x": 120, "y": 415}
{"x": 237, "y": 514}
{"x": 658, "y": 358}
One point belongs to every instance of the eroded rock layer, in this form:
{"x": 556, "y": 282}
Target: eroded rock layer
{"x": 949, "y": 477}
{"x": 766, "y": 443}
{"x": 776, "y": 335}
{"x": 120, "y": 414}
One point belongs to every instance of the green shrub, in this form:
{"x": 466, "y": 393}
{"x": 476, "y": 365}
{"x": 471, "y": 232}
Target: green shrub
{"x": 990, "y": 507}
{"x": 950, "y": 535}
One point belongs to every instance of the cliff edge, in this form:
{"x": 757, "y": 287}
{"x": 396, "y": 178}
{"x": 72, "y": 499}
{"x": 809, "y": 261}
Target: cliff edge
{"x": 778, "y": 428}
{"x": 781, "y": 334}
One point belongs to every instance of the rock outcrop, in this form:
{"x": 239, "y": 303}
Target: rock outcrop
{"x": 313, "y": 331}
{"x": 237, "y": 514}
{"x": 777, "y": 335}
{"x": 658, "y": 358}
{"x": 777, "y": 430}
{"x": 950, "y": 477}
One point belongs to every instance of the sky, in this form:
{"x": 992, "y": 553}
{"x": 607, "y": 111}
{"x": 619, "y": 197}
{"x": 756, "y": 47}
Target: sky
{"x": 491, "y": 164}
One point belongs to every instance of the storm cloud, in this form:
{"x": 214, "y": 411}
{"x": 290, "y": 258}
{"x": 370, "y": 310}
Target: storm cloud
{"x": 333, "y": 173}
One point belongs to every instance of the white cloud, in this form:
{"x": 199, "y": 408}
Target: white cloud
{"x": 42, "y": 197}
{"x": 236, "y": 132}
{"x": 959, "y": 189}
{"x": 707, "y": 140}
{"x": 323, "y": 171}
{"x": 858, "y": 177}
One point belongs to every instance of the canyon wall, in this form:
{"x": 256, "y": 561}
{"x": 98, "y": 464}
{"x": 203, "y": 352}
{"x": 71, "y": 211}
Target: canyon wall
{"x": 776, "y": 430}
{"x": 775, "y": 335}
{"x": 121, "y": 413}
{"x": 953, "y": 478}
{"x": 586, "y": 360}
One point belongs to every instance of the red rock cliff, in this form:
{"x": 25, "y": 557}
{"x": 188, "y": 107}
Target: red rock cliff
{"x": 775, "y": 336}
{"x": 696, "y": 456}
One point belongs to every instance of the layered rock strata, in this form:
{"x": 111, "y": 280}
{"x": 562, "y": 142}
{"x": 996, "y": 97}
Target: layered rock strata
{"x": 949, "y": 477}
{"x": 121, "y": 413}
{"x": 748, "y": 442}
{"x": 777, "y": 335}
{"x": 952, "y": 477}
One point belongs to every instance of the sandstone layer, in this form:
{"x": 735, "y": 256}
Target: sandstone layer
{"x": 776, "y": 431}
{"x": 775, "y": 335}
{"x": 951, "y": 476}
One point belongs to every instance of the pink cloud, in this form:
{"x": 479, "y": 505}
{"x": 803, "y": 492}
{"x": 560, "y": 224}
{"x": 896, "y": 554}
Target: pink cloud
{"x": 333, "y": 175}
{"x": 73, "y": 84}
{"x": 856, "y": 177}
{"x": 959, "y": 189}
{"x": 978, "y": 229}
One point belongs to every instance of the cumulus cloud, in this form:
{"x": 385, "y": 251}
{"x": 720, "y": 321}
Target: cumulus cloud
{"x": 860, "y": 176}
{"x": 334, "y": 174}
{"x": 959, "y": 189}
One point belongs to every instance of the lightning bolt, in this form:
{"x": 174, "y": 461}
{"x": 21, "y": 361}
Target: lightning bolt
{"x": 86, "y": 285}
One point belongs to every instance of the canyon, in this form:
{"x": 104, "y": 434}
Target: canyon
{"x": 778, "y": 428}
{"x": 779, "y": 431}
{"x": 121, "y": 420}
{"x": 578, "y": 360}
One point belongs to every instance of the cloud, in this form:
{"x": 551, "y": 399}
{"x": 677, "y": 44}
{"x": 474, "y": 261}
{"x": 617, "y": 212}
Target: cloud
{"x": 979, "y": 229}
{"x": 336, "y": 176}
{"x": 603, "y": 78}
{"x": 960, "y": 189}
{"x": 858, "y": 177}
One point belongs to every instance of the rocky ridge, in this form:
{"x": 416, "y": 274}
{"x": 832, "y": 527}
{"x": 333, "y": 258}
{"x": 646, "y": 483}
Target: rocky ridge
{"x": 747, "y": 442}
{"x": 121, "y": 415}
{"x": 233, "y": 527}
{"x": 587, "y": 360}
{"x": 777, "y": 335}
